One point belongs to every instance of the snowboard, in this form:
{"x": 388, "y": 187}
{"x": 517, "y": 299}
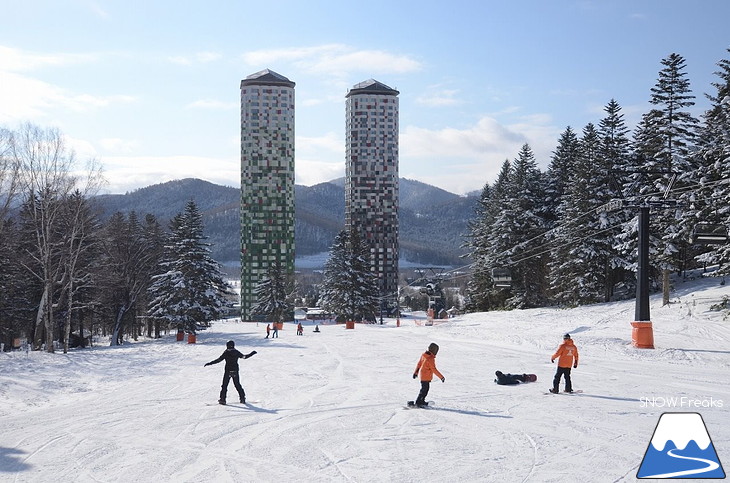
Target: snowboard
{"x": 579, "y": 391}
{"x": 239, "y": 404}
{"x": 412, "y": 405}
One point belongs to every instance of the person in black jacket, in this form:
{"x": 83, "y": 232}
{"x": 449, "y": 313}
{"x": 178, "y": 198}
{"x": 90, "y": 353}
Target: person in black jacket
{"x": 231, "y": 356}
{"x": 509, "y": 379}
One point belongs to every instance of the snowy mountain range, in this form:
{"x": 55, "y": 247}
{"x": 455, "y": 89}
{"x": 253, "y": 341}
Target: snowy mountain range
{"x": 432, "y": 221}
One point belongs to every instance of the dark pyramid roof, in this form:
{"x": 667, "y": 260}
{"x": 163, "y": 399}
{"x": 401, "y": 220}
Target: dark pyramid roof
{"x": 371, "y": 86}
{"x": 266, "y": 77}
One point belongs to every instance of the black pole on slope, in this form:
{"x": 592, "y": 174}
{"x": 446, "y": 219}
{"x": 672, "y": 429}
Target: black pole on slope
{"x": 642, "y": 334}
{"x": 642, "y": 287}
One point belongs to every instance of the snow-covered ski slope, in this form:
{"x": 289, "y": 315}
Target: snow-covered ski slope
{"x": 329, "y": 406}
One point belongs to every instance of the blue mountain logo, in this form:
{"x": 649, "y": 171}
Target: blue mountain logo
{"x": 681, "y": 448}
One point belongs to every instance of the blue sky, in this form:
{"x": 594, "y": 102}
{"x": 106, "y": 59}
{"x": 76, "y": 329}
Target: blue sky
{"x": 151, "y": 88}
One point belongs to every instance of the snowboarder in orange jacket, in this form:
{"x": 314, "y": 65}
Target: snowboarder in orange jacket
{"x": 567, "y": 355}
{"x": 427, "y": 367}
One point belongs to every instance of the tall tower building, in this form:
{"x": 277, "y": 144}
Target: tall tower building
{"x": 267, "y": 181}
{"x": 371, "y": 177}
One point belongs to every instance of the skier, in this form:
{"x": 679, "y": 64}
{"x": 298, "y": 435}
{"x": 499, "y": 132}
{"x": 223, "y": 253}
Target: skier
{"x": 268, "y": 330}
{"x": 509, "y": 379}
{"x": 276, "y": 331}
{"x": 300, "y": 329}
{"x": 231, "y": 356}
{"x": 567, "y": 355}
{"x": 427, "y": 367}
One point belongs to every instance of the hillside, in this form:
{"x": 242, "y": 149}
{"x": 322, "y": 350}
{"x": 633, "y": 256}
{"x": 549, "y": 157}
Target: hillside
{"x": 432, "y": 221}
{"x": 147, "y": 411}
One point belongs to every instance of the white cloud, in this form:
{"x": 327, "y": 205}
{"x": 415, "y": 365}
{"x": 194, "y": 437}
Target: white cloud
{"x": 197, "y": 58}
{"x": 212, "y": 104}
{"x": 335, "y": 59}
{"x": 24, "y": 97}
{"x": 330, "y": 142}
{"x": 319, "y": 159}
{"x": 15, "y": 60}
{"x": 98, "y": 10}
{"x": 439, "y": 98}
{"x": 83, "y": 102}
{"x": 310, "y": 172}
{"x": 118, "y": 145}
{"x": 127, "y": 173}
{"x": 462, "y": 160}
{"x": 486, "y": 137}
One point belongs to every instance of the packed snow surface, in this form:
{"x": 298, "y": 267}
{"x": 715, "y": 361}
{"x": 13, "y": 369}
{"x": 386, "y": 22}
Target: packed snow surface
{"x": 330, "y": 406}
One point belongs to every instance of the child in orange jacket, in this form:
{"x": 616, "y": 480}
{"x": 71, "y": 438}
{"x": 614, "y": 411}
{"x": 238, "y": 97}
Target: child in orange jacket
{"x": 567, "y": 355}
{"x": 427, "y": 367}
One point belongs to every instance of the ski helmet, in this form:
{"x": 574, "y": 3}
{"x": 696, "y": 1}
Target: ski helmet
{"x": 230, "y": 344}
{"x": 566, "y": 336}
{"x": 433, "y": 348}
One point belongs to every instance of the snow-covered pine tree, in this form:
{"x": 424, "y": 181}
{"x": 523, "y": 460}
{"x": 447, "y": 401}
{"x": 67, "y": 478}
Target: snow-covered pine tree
{"x": 580, "y": 252}
{"x": 520, "y": 228}
{"x": 349, "y": 288}
{"x": 478, "y": 286}
{"x": 560, "y": 172}
{"x": 153, "y": 237}
{"x": 272, "y": 296}
{"x": 611, "y": 174}
{"x": 191, "y": 291}
{"x": 489, "y": 244}
{"x": 713, "y": 161}
{"x": 664, "y": 143}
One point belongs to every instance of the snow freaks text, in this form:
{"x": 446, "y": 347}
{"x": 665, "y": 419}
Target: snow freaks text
{"x": 680, "y": 402}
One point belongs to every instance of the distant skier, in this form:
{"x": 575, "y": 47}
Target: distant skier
{"x": 510, "y": 379}
{"x": 300, "y": 329}
{"x": 268, "y": 330}
{"x": 567, "y": 355}
{"x": 231, "y": 356}
{"x": 275, "y": 333}
{"x": 427, "y": 368}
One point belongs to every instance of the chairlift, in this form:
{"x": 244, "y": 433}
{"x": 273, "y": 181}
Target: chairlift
{"x": 502, "y": 277}
{"x": 709, "y": 234}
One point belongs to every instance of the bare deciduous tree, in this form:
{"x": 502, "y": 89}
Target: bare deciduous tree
{"x": 48, "y": 177}
{"x": 8, "y": 176}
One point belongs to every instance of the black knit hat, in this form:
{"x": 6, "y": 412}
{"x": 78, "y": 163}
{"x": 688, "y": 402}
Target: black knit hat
{"x": 566, "y": 336}
{"x": 230, "y": 344}
{"x": 433, "y": 348}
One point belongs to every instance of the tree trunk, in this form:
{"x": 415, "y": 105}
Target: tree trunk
{"x": 665, "y": 287}
{"x": 118, "y": 326}
{"x": 50, "y": 332}
{"x": 39, "y": 319}
{"x": 67, "y": 322}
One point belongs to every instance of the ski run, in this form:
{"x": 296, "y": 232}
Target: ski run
{"x": 329, "y": 406}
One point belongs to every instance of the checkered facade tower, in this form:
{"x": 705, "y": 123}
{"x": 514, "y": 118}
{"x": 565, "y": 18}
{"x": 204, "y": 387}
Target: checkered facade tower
{"x": 371, "y": 177}
{"x": 267, "y": 181}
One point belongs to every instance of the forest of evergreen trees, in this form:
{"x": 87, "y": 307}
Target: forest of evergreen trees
{"x": 568, "y": 236}
{"x": 65, "y": 275}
